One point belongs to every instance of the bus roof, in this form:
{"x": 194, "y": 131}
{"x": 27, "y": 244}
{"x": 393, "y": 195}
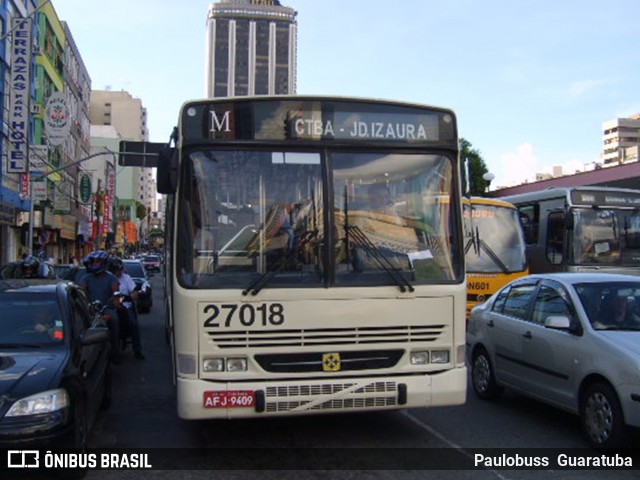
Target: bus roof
{"x": 583, "y": 195}
{"x": 496, "y": 202}
{"x": 318, "y": 98}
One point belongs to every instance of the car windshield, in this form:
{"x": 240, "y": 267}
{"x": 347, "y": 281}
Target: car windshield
{"x": 151, "y": 258}
{"x": 611, "y": 305}
{"x": 30, "y": 320}
{"x": 134, "y": 269}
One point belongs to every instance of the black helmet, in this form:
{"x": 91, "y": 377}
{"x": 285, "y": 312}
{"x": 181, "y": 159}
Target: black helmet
{"x": 30, "y": 266}
{"x": 96, "y": 262}
{"x": 115, "y": 264}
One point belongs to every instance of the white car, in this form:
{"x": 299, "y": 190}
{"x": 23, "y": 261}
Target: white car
{"x": 571, "y": 340}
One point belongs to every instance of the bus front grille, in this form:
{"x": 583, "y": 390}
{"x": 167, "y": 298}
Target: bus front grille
{"x": 314, "y": 361}
{"x": 331, "y": 396}
{"x": 327, "y": 337}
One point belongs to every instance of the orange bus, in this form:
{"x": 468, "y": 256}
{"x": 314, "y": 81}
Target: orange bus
{"x": 494, "y": 247}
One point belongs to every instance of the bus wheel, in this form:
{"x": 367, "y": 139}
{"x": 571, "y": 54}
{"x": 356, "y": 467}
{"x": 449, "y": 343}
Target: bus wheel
{"x": 482, "y": 376}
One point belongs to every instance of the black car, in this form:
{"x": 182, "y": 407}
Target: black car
{"x": 139, "y": 275}
{"x": 54, "y": 364}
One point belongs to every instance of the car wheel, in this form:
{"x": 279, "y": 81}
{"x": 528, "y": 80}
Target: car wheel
{"x": 80, "y": 442}
{"x": 81, "y": 422}
{"x": 601, "y": 417}
{"x": 482, "y": 376}
{"x": 107, "y": 395}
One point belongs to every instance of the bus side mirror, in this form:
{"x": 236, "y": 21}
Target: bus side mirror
{"x": 167, "y": 173}
{"x": 568, "y": 220}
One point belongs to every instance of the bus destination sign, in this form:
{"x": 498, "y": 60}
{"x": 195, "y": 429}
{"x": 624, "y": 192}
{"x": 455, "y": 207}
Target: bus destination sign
{"x": 605, "y": 199}
{"x": 360, "y": 126}
{"x": 316, "y": 121}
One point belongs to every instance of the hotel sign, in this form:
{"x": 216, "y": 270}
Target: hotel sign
{"x": 19, "y": 92}
{"x": 57, "y": 119}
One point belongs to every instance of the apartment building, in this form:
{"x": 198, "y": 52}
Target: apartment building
{"x": 621, "y": 140}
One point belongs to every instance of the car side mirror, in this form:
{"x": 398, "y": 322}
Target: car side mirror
{"x": 559, "y": 322}
{"x": 94, "y": 335}
{"x": 167, "y": 172}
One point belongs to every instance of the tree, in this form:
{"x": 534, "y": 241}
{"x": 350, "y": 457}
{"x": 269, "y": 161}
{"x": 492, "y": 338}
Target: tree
{"x": 477, "y": 168}
{"x": 141, "y": 211}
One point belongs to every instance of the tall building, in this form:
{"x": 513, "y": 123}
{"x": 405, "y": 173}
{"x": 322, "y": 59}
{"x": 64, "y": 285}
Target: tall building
{"x": 14, "y": 204}
{"x": 135, "y": 186}
{"x": 77, "y": 147}
{"x": 251, "y": 48}
{"x": 621, "y": 140}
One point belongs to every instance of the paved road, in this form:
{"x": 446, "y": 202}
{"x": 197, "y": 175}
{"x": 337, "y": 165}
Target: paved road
{"x": 143, "y": 415}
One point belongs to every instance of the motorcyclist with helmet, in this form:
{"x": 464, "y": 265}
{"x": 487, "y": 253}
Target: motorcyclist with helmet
{"x": 101, "y": 284}
{"x": 127, "y": 311}
{"x": 31, "y": 267}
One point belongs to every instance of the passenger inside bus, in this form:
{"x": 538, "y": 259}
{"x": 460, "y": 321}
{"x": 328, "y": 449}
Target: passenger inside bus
{"x": 371, "y": 235}
{"x": 379, "y": 198}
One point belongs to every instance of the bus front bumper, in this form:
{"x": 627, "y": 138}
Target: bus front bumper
{"x": 199, "y": 399}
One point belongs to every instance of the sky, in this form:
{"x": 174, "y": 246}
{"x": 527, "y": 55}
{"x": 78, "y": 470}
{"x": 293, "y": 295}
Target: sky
{"x": 531, "y": 81}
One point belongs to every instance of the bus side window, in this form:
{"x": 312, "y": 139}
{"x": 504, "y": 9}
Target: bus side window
{"x": 529, "y": 220}
{"x": 554, "y": 247}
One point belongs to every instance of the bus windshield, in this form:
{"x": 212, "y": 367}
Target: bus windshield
{"x": 256, "y": 217}
{"x": 610, "y": 236}
{"x": 493, "y": 239}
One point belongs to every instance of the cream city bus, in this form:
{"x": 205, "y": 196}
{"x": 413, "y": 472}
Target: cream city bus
{"x": 314, "y": 256}
{"x": 494, "y": 247}
{"x": 579, "y": 229}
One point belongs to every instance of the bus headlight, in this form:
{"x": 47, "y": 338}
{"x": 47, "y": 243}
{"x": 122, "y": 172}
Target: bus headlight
{"x": 236, "y": 364}
{"x": 439, "y": 356}
{"x": 224, "y": 365}
{"x": 419, "y": 358}
{"x": 213, "y": 365}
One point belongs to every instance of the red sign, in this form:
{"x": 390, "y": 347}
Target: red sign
{"x": 24, "y": 186}
{"x": 229, "y": 399}
{"x": 94, "y": 229}
{"x": 106, "y": 216}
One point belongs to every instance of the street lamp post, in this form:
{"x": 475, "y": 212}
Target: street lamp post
{"x": 488, "y": 177}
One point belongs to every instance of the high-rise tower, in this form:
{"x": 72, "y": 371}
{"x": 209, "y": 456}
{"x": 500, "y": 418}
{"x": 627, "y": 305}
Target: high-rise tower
{"x": 251, "y": 48}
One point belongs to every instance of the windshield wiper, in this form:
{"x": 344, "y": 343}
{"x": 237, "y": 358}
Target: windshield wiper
{"x": 260, "y": 282}
{"x": 482, "y": 246}
{"x": 363, "y": 241}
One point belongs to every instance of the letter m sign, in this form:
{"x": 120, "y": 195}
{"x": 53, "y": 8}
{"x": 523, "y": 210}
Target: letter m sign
{"x": 220, "y": 123}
